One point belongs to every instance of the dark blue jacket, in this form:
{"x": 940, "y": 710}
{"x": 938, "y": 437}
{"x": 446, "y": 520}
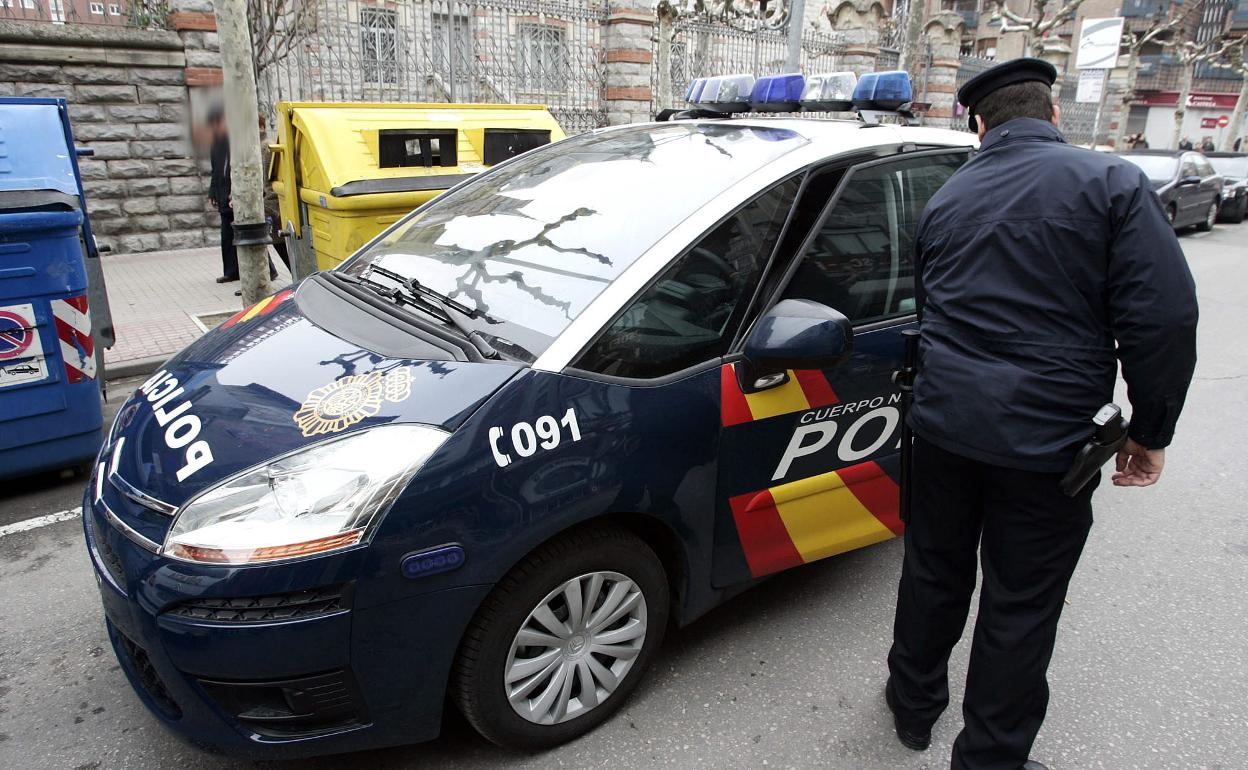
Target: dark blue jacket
{"x": 1034, "y": 260}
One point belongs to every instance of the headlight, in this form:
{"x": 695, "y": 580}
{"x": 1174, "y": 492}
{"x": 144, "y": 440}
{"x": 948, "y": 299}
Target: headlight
{"x": 314, "y": 500}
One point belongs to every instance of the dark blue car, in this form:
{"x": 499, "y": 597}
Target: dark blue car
{"x": 601, "y": 386}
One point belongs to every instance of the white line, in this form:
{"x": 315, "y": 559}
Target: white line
{"x": 40, "y": 521}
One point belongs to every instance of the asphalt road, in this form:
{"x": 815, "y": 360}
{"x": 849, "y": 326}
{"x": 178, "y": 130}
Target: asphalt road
{"x": 1151, "y": 669}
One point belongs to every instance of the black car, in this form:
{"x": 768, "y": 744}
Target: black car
{"x": 1190, "y": 189}
{"x": 1233, "y": 168}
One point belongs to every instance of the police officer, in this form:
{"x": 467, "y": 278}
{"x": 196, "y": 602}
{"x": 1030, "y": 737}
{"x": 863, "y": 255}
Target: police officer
{"x": 1041, "y": 267}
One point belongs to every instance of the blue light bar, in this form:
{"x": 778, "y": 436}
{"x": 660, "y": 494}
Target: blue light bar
{"x": 778, "y": 93}
{"x": 727, "y": 93}
{"x": 883, "y": 90}
{"x": 695, "y": 90}
{"x": 829, "y": 92}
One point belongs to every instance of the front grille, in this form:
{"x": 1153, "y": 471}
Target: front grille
{"x": 108, "y": 556}
{"x": 289, "y": 707}
{"x": 148, "y": 677}
{"x": 296, "y": 605}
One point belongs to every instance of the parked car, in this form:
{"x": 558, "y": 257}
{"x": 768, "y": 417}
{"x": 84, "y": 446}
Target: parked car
{"x": 1233, "y": 168}
{"x": 610, "y": 381}
{"x": 1190, "y": 190}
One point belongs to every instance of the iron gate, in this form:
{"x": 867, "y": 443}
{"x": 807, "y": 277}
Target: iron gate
{"x": 510, "y": 51}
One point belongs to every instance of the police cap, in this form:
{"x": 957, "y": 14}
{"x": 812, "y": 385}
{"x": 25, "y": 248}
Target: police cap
{"x": 1007, "y": 74}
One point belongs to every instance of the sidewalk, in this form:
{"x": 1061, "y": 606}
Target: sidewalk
{"x": 155, "y": 297}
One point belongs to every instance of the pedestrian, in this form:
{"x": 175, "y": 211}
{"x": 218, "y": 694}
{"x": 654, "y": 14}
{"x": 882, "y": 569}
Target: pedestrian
{"x": 272, "y": 210}
{"x": 1186, "y": 144}
{"x": 1140, "y": 142}
{"x": 219, "y": 193}
{"x": 1207, "y": 145}
{"x": 1235, "y": 147}
{"x": 1023, "y": 295}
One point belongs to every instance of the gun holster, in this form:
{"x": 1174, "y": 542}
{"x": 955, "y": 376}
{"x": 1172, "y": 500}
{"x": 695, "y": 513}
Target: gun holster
{"x": 1109, "y": 435}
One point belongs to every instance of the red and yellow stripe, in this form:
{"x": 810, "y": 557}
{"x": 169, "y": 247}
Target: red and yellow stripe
{"x": 816, "y": 517}
{"x": 806, "y": 389}
{"x": 263, "y": 307}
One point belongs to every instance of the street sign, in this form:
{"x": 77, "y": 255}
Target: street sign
{"x": 1091, "y": 86}
{"x": 1223, "y": 121}
{"x": 1099, "y": 40}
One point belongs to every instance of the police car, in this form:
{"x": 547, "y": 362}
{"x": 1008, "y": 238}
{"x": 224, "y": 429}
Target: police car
{"x": 603, "y": 385}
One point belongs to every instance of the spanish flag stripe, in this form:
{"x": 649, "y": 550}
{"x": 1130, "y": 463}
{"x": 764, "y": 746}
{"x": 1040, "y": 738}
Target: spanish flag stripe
{"x": 782, "y": 399}
{"x": 764, "y": 539}
{"x": 824, "y": 517}
{"x": 256, "y": 309}
{"x": 733, "y": 407}
{"x": 815, "y": 386}
{"x": 235, "y": 318}
{"x": 877, "y": 492}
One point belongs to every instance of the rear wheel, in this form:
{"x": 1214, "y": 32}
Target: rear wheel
{"x": 562, "y": 640}
{"x": 1211, "y": 216}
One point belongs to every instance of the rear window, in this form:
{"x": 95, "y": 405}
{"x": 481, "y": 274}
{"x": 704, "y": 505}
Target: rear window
{"x": 534, "y": 242}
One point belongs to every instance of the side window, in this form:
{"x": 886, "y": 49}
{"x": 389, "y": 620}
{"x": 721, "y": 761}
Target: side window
{"x": 690, "y": 313}
{"x": 1205, "y": 168}
{"x": 1189, "y": 167}
{"x": 861, "y": 260}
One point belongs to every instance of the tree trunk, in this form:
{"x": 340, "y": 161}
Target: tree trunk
{"x": 1237, "y": 117}
{"x": 1180, "y": 109}
{"x": 242, "y": 121}
{"x": 909, "y": 58}
{"x": 1128, "y": 98}
{"x": 666, "y": 23}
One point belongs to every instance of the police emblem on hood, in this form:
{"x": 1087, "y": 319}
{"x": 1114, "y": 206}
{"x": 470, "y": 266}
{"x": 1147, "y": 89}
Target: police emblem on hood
{"x": 344, "y": 402}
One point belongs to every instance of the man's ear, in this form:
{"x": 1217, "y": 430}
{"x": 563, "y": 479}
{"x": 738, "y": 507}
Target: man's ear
{"x": 1057, "y": 114}
{"x": 979, "y": 127}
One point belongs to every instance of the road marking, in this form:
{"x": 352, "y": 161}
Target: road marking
{"x": 40, "y": 521}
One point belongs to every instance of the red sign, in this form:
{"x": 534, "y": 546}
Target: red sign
{"x": 1224, "y": 121}
{"x": 1208, "y": 122}
{"x": 1199, "y": 101}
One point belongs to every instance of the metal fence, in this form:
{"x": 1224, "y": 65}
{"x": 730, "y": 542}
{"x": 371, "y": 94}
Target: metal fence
{"x": 514, "y": 51}
{"x": 1079, "y": 119}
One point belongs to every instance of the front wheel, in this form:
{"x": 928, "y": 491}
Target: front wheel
{"x": 1211, "y": 216}
{"x": 562, "y": 640}
{"x": 1171, "y": 214}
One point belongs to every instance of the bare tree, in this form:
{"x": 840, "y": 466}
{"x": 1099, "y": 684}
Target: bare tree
{"x": 1038, "y": 24}
{"x": 277, "y": 28}
{"x": 1159, "y": 28}
{"x": 1233, "y": 60}
{"x": 1190, "y": 55}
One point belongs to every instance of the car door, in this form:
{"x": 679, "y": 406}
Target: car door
{"x": 1190, "y": 203}
{"x": 1210, "y": 184}
{"x": 809, "y": 468}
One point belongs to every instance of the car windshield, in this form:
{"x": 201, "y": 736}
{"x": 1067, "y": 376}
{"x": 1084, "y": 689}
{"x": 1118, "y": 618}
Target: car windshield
{"x": 532, "y": 244}
{"x": 1158, "y": 168}
{"x": 1235, "y": 166}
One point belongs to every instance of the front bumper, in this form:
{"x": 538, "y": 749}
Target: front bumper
{"x": 304, "y": 669}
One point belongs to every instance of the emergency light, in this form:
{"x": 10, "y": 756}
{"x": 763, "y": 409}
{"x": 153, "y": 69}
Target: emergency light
{"x": 726, "y": 93}
{"x": 830, "y": 92}
{"x": 778, "y": 93}
{"x": 882, "y": 90}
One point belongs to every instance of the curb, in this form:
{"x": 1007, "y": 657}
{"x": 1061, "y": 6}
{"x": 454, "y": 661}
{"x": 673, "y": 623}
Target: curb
{"x": 133, "y": 367}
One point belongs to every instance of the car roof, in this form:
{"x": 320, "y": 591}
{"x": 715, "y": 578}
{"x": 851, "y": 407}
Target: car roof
{"x": 1169, "y": 153}
{"x": 1226, "y": 155}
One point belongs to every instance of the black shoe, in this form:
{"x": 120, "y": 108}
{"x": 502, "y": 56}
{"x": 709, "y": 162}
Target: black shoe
{"x": 238, "y": 293}
{"x": 1032, "y": 764}
{"x": 273, "y": 275}
{"x": 227, "y": 279}
{"x": 910, "y": 738}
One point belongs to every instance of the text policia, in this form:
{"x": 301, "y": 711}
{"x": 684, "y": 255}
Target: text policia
{"x": 875, "y": 425}
{"x": 181, "y": 430}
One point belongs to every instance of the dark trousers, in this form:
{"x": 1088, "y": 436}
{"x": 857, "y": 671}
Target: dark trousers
{"x": 1029, "y": 536}
{"x": 229, "y": 252}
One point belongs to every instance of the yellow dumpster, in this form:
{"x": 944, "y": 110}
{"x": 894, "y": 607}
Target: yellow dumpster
{"x": 344, "y": 172}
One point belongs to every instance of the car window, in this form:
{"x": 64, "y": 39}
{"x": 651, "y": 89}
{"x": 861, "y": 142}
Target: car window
{"x": 861, "y": 260}
{"x": 689, "y": 315}
{"x": 1189, "y": 167}
{"x": 1205, "y": 168}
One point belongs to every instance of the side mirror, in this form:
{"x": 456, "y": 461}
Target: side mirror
{"x": 795, "y": 334}
{"x": 1189, "y": 181}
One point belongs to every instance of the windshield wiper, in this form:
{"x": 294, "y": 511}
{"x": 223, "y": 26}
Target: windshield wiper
{"x": 416, "y": 287}
{"x": 429, "y": 302}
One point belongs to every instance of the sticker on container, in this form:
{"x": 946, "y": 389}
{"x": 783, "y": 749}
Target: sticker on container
{"x": 19, "y": 334}
{"x": 72, "y": 317}
{"x": 27, "y": 370}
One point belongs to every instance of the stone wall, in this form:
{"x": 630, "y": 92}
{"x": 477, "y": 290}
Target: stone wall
{"x": 129, "y": 102}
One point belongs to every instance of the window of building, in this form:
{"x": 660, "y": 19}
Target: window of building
{"x": 861, "y": 260}
{"x": 379, "y": 52}
{"x": 97, "y": 9}
{"x": 543, "y": 58}
{"x": 690, "y": 314}
{"x": 114, "y": 9}
{"x": 451, "y": 47}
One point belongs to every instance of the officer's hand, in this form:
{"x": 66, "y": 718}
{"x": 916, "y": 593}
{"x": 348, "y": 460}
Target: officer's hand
{"x": 1137, "y": 466}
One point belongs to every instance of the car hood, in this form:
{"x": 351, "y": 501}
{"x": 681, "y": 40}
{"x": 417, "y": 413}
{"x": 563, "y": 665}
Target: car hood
{"x": 270, "y": 381}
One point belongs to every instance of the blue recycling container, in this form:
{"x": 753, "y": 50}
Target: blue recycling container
{"x": 49, "y": 393}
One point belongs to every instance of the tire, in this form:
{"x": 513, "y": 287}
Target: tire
{"x": 1211, "y": 216}
{"x": 1171, "y": 215}
{"x": 1243, "y": 210}
{"x": 604, "y": 560}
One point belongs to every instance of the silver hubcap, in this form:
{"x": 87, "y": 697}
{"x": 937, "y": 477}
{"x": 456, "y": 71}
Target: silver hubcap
{"x": 575, "y": 647}
{"x": 1212, "y": 216}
